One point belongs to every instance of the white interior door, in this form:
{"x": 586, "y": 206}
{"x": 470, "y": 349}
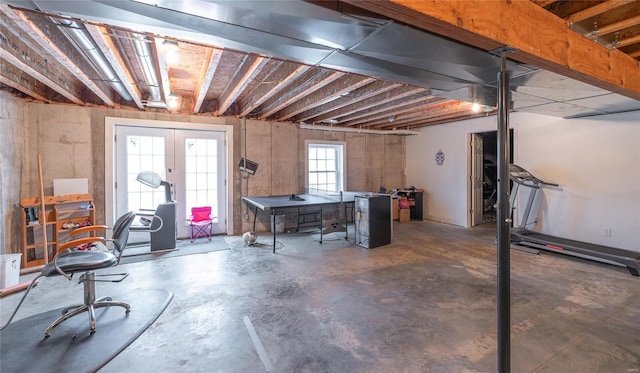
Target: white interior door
{"x": 477, "y": 174}
{"x": 192, "y": 161}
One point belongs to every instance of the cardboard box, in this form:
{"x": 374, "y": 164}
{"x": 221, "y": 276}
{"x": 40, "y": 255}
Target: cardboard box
{"x": 405, "y": 215}
{"x": 395, "y": 210}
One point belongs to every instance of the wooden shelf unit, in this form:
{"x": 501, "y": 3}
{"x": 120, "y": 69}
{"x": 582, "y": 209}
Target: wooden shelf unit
{"x": 60, "y": 210}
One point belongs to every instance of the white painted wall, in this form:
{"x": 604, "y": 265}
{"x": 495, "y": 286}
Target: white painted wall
{"x": 445, "y": 186}
{"x": 595, "y": 160}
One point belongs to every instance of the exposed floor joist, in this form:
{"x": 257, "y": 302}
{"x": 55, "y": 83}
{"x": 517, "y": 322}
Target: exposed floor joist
{"x": 540, "y": 38}
{"x": 108, "y": 48}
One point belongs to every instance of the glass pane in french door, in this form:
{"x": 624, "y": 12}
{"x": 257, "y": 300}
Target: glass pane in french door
{"x": 201, "y": 174}
{"x": 144, "y": 153}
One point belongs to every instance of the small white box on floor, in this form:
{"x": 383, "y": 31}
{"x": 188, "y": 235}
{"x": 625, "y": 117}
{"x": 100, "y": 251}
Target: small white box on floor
{"x": 9, "y": 270}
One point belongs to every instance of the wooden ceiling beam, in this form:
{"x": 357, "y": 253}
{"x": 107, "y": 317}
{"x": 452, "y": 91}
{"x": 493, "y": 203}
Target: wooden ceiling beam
{"x": 629, "y": 41}
{"x": 422, "y": 111}
{"x": 617, "y": 26}
{"x": 448, "y": 113}
{"x": 15, "y": 51}
{"x": 162, "y": 69}
{"x": 371, "y": 102}
{"x": 281, "y": 77}
{"x": 447, "y": 119}
{"x": 312, "y": 85}
{"x": 239, "y": 82}
{"x": 539, "y": 37}
{"x": 206, "y": 76}
{"x": 353, "y": 98}
{"x": 596, "y": 10}
{"x": 635, "y": 54}
{"x": 324, "y": 95}
{"x": 59, "y": 47}
{"x": 109, "y": 50}
{"x": 543, "y": 3}
{"x": 23, "y": 82}
{"x": 384, "y": 110}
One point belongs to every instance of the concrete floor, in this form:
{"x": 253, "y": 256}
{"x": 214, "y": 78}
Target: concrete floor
{"x": 425, "y": 303}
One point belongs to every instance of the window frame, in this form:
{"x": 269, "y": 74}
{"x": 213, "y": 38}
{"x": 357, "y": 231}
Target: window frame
{"x": 341, "y": 161}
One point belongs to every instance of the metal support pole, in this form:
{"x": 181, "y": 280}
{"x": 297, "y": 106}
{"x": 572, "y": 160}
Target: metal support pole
{"x": 504, "y": 223}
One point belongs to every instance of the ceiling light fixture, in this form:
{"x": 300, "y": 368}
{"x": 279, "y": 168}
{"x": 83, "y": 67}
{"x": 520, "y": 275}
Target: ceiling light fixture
{"x": 171, "y": 49}
{"x": 172, "y": 100}
{"x": 170, "y": 45}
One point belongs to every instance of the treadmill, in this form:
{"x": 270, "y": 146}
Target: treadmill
{"x": 522, "y": 236}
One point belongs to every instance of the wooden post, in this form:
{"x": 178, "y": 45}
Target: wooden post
{"x": 43, "y": 213}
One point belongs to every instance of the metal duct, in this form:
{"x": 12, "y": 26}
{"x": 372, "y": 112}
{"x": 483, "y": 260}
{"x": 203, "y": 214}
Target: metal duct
{"x": 81, "y": 36}
{"x": 148, "y": 68}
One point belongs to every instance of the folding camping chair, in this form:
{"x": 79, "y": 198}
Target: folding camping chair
{"x": 201, "y": 222}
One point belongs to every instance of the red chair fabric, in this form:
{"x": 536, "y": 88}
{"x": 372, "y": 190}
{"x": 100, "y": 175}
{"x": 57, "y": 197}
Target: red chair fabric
{"x": 201, "y": 222}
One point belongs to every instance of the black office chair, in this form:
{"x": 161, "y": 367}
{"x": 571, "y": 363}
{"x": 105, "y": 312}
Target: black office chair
{"x": 87, "y": 255}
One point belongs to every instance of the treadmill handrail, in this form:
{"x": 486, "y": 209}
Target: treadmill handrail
{"x": 521, "y": 176}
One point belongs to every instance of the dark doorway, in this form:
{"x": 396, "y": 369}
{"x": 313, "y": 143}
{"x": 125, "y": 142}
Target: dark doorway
{"x": 490, "y": 172}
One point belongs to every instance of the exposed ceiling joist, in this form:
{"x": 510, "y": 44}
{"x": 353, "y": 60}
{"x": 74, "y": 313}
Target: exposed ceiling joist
{"x": 352, "y": 98}
{"x": 318, "y": 81}
{"x": 540, "y": 38}
{"x": 253, "y": 66}
{"x": 386, "y": 110}
{"x": 23, "y": 82}
{"x": 613, "y": 27}
{"x": 365, "y": 105}
{"x": 324, "y": 95}
{"x": 596, "y": 10}
{"x": 283, "y": 75}
{"x": 108, "y": 49}
{"x": 629, "y": 41}
{"x": 204, "y": 80}
{"x": 48, "y": 37}
{"x": 16, "y": 52}
{"x": 325, "y": 68}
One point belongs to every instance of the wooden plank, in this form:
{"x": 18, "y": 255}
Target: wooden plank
{"x": 353, "y": 98}
{"x": 543, "y": 3}
{"x": 49, "y": 200}
{"x": 43, "y": 213}
{"x": 237, "y": 85}
{"x": 282, "y": 77}
{"x": 629, "y": 41}
{"x": 541, "y": 38}
{"x": 617, "y": 26}
{"x": 324, "y": 95}
{"x": 25, "y": 83}
{"x": 108, "y": 49}
{"x": 19, "y": 54}
{"x": 311, "y": 86}
{"x": 206, "y": 76}
{"x": 16, "y": 288}
{"x": 49, "y": 37}
{"x": 596, "y": 10}
{"x": 386, "y": 110}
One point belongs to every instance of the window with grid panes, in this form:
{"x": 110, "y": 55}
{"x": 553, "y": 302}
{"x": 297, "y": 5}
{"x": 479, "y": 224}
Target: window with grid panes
{"x": 325, "y": 166}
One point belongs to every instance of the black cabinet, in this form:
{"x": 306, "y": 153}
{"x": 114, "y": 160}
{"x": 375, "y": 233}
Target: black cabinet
{"x": 373, "y": 220}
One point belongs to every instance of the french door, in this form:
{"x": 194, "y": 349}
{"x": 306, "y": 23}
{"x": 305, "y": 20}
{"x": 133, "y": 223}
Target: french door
{"x": 191, "y": 161}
